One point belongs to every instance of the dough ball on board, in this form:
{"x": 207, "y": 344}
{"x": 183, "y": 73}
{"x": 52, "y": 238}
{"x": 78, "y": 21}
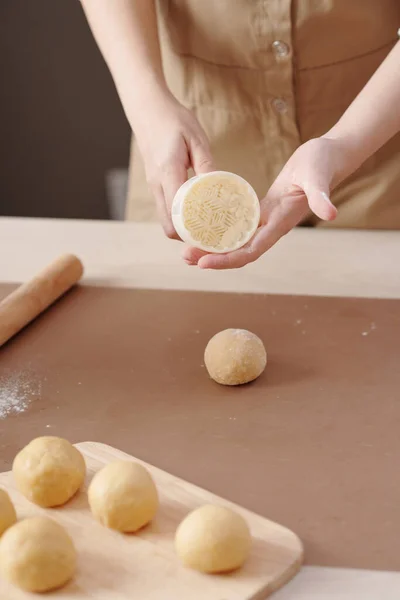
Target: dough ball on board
{"x": 235, "y": 356}
{"x": 8, "y": 515}
{"x": 37, "y": 555}
{"x": 123, "y": 496}
{"x": 213, "y": 539}
{"x": 49, "y": 471}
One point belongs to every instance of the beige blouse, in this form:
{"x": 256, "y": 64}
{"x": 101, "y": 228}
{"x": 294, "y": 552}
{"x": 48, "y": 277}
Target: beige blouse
{"x": 264, "y": 76}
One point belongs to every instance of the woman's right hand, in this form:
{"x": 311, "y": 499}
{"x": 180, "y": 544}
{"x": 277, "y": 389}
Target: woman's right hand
{"x": 168, "y": 135}
{"x": 171, "y": 140}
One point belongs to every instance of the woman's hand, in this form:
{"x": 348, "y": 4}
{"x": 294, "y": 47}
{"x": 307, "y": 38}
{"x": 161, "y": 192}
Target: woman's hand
{"x": 304, "y": 183}
{"x": 168, "y": 135}
{"x": 171, "y": 141}
{"x": 319, "y": 165}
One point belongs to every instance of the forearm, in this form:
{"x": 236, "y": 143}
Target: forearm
{"x": 374, "y": 116}
{"x": 126, "y": 33}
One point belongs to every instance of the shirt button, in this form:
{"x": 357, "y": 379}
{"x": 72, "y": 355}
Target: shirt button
{"x": 281, "y": 50}
{"x": 279, "y": 105}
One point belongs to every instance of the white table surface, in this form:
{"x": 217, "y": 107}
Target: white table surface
{"x": 313, "y": 262}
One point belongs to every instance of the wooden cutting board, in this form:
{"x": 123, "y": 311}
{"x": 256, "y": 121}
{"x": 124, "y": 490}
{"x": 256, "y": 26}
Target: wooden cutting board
{"x": 144, "y": 566}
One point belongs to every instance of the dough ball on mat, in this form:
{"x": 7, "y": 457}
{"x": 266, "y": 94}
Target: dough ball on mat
{"x": 213, "y": 539}
{"x": 235, "y": 356}
{"x": 49, "y": 471}
{"x": 123, "y": 496}
{"x": 8, "y": 515}
{"x": 37, "y": 555}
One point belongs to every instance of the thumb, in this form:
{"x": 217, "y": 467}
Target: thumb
{"x": 320, "y": 203}
{"x": 200, "y": 155}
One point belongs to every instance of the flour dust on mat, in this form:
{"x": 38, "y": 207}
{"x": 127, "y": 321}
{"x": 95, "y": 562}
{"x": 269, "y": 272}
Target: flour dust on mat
{"x": 17, "y": 390}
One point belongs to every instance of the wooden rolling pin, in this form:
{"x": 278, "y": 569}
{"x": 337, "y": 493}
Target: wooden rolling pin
{"x": 32, "y": 298}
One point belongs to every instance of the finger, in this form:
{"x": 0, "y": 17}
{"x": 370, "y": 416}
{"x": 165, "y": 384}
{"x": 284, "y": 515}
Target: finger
{"x": 163, "y": 214}
{"x": 264, "y": 239}
{"x": 192, "y": 255}
{"x": 171, "y": 180}
{"x": 219, "y": 262}
{"x": 234, "y": 260}
{"x": 172, "y": 177}
{"x": 278, "y": 216}
{"x": 320, "y": 203}
{"x": 200, "y": 156}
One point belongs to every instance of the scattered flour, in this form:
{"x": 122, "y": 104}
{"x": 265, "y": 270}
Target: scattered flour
{"x": 17, "y": 390}
{"x": 372, "y": 327}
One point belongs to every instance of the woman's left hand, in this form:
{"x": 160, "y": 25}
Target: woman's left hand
{"x": 304, "y": 183}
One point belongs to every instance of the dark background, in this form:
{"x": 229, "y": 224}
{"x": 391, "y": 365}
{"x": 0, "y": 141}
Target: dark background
{"x": 61, "y": 123}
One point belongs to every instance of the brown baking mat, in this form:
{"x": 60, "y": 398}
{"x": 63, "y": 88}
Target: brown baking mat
{"x": 314, "y": 444}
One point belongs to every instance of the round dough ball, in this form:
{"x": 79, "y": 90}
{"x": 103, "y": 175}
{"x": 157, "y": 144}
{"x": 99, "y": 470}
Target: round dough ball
{"x": 213, "y": 539}
{"x": 49, "y": 471}
{"x": 235, "y": 356}
{"x": 37, "y": 555}
{"x": 8, "y": 516}
{"x": 123, "y": 496}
